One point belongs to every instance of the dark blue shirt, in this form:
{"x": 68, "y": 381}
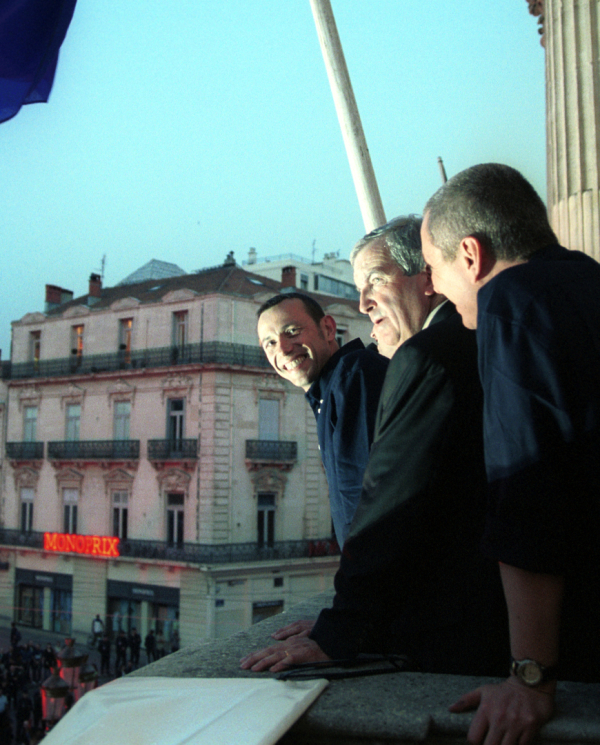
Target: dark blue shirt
{"x": 538, "y": 333}
{"x": 344, "y": 399}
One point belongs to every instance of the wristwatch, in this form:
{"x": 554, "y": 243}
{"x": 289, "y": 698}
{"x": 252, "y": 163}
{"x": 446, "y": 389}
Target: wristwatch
{"x": 531, "y": 672}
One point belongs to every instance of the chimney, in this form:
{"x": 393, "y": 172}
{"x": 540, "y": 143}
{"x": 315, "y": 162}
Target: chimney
{"x": 288, "y": 276}
{"x": 252, "y": 255}
{"x": 95, "y": 286}
{"x": 56, "y": 296}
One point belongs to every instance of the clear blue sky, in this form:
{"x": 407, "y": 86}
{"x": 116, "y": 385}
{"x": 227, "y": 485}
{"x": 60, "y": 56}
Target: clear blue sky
{"x": 184, "y": 129}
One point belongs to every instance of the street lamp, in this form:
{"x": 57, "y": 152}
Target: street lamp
{"x": 88, "y": 679}
{"x": 54, "y": 691}
{"x": 70, "y": 661}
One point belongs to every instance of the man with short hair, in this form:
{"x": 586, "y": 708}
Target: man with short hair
{"x": 412, "y": 579}
{"x": 342, "y": 387}
{"x": 536, "y": 308}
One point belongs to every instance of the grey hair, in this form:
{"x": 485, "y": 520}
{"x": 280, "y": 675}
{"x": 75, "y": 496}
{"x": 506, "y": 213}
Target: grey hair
{"x": 402, "y": 236}
{"x": 493, "y": 203}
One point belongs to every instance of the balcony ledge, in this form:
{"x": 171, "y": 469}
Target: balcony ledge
{"x": 401, "y": 708}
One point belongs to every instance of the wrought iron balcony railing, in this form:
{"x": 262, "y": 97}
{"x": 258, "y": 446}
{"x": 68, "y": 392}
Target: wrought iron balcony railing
{"x": 197, "y": 553}
{"x": 94, "y": 450}
{"x": 215, "y": 352}
{"x": 172, "y": 449}
{"x": 25, "y": 450}
{"x": 272, "y": 450}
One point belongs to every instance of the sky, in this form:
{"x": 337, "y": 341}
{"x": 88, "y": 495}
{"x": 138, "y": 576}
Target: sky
{"x": 181, "y": 130}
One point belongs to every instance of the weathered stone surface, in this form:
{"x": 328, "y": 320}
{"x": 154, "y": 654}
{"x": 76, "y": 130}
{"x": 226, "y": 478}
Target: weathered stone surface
{"x": 402, "y": 707}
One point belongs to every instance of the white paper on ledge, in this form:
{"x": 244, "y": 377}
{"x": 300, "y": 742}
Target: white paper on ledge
{"x": 186, "y": 711}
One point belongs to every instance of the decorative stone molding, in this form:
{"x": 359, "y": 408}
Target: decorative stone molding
{"x": 68, "y": 477}
{"x": 76, "y": 311}
{"x": 337, "y": 310}
{"x": 180, "y": 384}
{"x": 268, "y": 479}
{"x": 269, "y": 386}
{"x": 29, "y": 396}
{"x": 536, "y": 8}
{"x": 118, "y": 479}
{"x": 125, "y": 303}
{"x": 120, "y": 390}
{"x": 176, "y": 296}
{"x": 26, "y": 477}
{"x": 73, "y": 395}
{"x": 173, "y": 480}
{"x": 32, "y": 318}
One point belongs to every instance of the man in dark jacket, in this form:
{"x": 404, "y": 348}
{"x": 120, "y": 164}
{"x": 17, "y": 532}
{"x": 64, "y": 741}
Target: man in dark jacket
{"x": 412, "y": 579}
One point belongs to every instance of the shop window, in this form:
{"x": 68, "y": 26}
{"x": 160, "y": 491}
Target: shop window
{"x": 120, "y": 500}
{"x": 30, "y": 608}
{"x": 266, "y": 609}
{"x": 27, "y": 494}
{"x": 70, "y": 498}
{"x": 62, "y": 601}
{"x": 266, "y": 519}
{"x": 122, "y": 416}
{"x": 175, "y": 507}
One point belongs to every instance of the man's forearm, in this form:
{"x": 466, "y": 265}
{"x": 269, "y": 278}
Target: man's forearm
{"x": 534, "y": 605}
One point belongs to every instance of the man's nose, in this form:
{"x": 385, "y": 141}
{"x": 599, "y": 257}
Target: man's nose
{"x": 285, "y": 344}
{"x": 366, "y": 301}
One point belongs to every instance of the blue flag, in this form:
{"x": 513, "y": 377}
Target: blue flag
{"x": 31, "y": 32}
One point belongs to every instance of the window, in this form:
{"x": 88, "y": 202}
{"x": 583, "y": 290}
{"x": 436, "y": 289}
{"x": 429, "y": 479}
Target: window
{"x": 73, "y": 420}
{"x": 304, "y": 281}
{"x": 268, "y": 419}
{"x": 70, "y": 499}
{"x": 29, "y": 423}
{"x": 35, "y": 346}
{"x": 77, "y": 343}
{"x": 175, "y": 519}
{"x": 122, "y": 415}
{"x": 266, "y": 519}
{"x": 26, "y": 509}
{"x": 180, "y": 328}
{"x": 120, "y": 500}
{"x": 175, "y": 419}
{"x": 340, "y": 336}
{"x": 266, "y": 609}
{"x": 125, "y": 329}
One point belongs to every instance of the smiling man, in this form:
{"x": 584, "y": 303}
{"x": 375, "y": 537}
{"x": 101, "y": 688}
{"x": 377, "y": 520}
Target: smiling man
{"x": 536, "y": 308}
{"x": 342, "y": 387}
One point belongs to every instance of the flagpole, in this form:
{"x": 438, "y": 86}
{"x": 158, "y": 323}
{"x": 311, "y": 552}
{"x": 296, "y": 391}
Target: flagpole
{"x": 345, "y": 104}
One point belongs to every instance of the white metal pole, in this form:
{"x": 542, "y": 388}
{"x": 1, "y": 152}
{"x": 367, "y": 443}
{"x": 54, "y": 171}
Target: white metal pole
{"x": 345, "y": 104}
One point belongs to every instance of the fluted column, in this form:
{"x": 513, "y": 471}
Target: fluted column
{"x": 571, "y": 30}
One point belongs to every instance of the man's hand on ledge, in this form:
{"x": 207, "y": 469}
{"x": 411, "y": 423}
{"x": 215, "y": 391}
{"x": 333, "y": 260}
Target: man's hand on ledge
{"x": 508, "y": 713}
{"x": 293, "y": 651}
{"x": 298, "y": 628}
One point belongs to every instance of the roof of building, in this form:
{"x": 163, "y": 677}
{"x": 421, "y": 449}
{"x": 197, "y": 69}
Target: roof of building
{"x": 226, "y": 279}
{"x": 154, "y": 269}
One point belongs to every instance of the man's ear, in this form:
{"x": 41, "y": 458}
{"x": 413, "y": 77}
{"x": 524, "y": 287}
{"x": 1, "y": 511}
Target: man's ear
{"x": 474, "y": 258}
{"x": 328, "y": 326}
{"x": 428, "y": 286}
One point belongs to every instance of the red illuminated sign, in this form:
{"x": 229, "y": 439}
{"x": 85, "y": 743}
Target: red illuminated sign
{"x": 95, "y": 545}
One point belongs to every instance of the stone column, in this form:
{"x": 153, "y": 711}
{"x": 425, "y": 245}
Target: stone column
{"x": 570, "y": 35}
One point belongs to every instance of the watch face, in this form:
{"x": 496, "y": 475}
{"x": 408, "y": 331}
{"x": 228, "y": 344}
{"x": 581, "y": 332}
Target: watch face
{"x": 530, "y": 673}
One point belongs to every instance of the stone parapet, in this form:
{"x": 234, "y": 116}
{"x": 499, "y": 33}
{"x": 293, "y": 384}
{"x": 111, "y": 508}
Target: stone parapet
{"x": 401, "y": 707}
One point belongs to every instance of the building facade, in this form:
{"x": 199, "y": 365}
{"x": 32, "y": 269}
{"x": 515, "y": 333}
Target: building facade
{"x": 156, "y": 470}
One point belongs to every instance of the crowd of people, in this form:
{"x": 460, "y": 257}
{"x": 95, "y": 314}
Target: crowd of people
{"x": 24, "y": 667}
